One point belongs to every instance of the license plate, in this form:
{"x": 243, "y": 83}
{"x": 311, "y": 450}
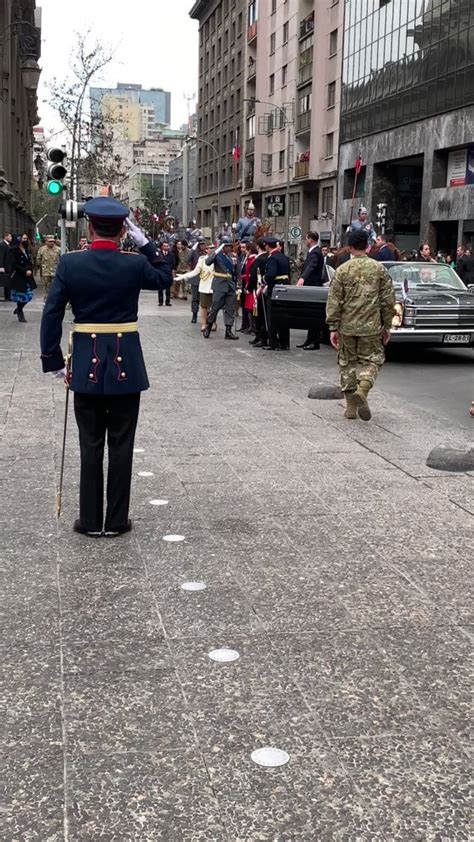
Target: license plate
{"x": 457, "y": 338}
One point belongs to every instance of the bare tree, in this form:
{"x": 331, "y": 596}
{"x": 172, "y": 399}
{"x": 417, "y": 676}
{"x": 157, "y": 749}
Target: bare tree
{"x": 91, "y": 157}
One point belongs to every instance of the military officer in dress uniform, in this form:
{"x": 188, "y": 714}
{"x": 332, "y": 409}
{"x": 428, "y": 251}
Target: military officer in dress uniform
{"x": 106, "y": 371}
{"x": 277, "y": 271}
{"x": 224, "y": 288}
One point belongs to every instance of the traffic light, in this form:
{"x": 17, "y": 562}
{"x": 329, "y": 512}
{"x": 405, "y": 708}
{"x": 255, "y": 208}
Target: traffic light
{"x": 56, "y": 171}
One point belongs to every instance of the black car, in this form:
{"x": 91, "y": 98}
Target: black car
{"x": 433, "y": 305}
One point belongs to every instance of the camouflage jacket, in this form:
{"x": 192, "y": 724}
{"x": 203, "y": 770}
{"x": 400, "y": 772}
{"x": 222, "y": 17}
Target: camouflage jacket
{"x": 47, "y": 259}
{"x": 361, "y": 299}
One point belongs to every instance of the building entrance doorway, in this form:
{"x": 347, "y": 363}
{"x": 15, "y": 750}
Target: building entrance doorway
{"x": 398, "y": 184}
{"x": 446, "y": 234}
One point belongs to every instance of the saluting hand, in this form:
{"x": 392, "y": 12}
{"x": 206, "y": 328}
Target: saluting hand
{"x": 136, "y": 233}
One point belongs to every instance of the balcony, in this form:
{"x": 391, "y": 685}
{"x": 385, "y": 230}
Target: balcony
{"x": 251, "y": 32}
{"x": 303, "y": 122}
{"x": 251, "y": 71}
{"x": 302, "y": 169}
{"x": 306, "y": 26}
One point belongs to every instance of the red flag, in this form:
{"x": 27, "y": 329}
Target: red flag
{"x": 358, "y": 164}
{"x": 236, "y": 153}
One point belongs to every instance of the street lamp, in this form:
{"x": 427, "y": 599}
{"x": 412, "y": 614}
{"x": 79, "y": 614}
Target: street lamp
{"x": 288, "y": 123}
{"x": 29, "y": 49}
{"x": 211, "y": 145}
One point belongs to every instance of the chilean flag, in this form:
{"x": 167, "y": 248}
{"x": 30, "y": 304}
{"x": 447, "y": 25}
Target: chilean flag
{"x": 358, "y": 164}
{"x": 236, "y": 149}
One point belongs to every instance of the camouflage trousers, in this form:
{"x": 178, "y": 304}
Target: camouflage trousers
{"x": 47, "y": 280}
{"x": 359, "y": 358}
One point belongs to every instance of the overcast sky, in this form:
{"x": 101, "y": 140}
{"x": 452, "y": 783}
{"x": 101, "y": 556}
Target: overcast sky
{"x": 156, "y": 45}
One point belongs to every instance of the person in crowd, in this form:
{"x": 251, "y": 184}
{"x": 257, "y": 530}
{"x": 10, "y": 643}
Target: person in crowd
{"x": 328, "y": 256}
{"x": 465, "y": 267}
{"x": 205, "y": 276}
{"x": 360, "y": 309}
{"x": 166, "y": 253}
{"x": 5, "y": 246}
{"x": 383, "y": 251}
{"x": 277, "y": 271}
{"x": 424, "y": 254}
{"x": 363, "y": 223}
{"x": 182, "y": 255}
{"x": 199, "y": 249}
{"x": 20, "y": 271}
{"x": 224, "y": 288}
{"x": 248, "y": 295}
{"x": 47, "y": 260}
{"x": 312, "y": 275}
{"x": 247, "y": 225}
{"x": 256, "y": 286}
{"x": 83, "y": 244}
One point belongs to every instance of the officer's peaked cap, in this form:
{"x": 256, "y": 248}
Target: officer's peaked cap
{"x": 226, "y": 241}
{"x": 271, "y": 241}
{"x": 104, "y": 207}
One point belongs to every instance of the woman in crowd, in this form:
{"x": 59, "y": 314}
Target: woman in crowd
{"x": 424, "y": 254}
{"x": 206, "y": 276}
{"x": 249, "y": 251}
{"x": 22, "y": 283}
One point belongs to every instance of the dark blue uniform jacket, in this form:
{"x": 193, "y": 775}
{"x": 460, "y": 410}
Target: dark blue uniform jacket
{"x": 276, "y": 267}
{"x": 103, "y": 286}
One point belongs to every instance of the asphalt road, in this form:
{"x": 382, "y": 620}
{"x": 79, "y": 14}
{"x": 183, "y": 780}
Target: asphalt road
{"x": 438, "y": 380}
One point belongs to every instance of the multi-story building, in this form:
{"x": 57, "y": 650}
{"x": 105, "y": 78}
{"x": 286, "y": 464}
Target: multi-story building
{"x": 136, "y": 113}
{"x": 293, "y": 67}
{"x": 20, "y": 46}
{"x": 222, "y": 44}
{"x": 147, "y": 164}
{"x": 182, "y": 183}
{"x": 408, "y": 111}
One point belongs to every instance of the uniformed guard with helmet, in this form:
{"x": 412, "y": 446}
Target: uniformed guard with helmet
{"x": 224, "y": 287}
{"x": 106, "y": 371}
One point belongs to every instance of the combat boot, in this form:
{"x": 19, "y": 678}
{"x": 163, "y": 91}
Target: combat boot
{"x": 229, "y": 334}
{"x": 351, "y": 406}
{"x": 360, "y": 400}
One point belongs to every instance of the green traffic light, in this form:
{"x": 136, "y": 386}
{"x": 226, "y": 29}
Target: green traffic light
{"x": 54, "y": 188}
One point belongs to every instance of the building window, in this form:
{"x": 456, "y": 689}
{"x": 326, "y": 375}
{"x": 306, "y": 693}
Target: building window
{"x": 274, "y": 6}
{"x": 294, "y": 204}
{"x": 330, "y": 145}
{"x": 331, "y": 94}
{"x": 266, "y": 164}
{"x": 271, "y": 87}
{"x": 285, "y": 32}
{"x": 284, "y": 75}
{"x": 281, "y": 160}
{"x": 333, "y": 43}
{"x": 304, "y": 103}
{"x": 272, "y": 43}
{"x": 251, "y": 127}
{"x": 327, "y": 201}
{"x": 253, "y": 12}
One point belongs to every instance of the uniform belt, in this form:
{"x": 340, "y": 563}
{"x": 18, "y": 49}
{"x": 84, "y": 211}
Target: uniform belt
{"x": 221, "y": 275}
{"x": 281, "y": 278}
{"x": 113, "y": 327}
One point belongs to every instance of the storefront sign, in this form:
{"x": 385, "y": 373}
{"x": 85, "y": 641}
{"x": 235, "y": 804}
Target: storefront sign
{"x": 457, "y": 168}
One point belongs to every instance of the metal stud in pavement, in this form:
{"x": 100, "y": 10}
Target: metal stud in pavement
{"x": 158, "y": 502}
{"x": 270, "y": 757}
{"x": 173, "y": 539}
{"x": 224, "y": 656}
{"x": 193, "y": 586}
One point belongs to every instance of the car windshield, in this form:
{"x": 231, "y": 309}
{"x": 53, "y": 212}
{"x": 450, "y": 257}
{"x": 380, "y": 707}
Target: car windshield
{"x": 415, "y": 275}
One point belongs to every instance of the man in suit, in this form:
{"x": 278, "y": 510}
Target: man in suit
{"x": 465, "y": 267}
{"x": 277, "y": 271}
{"x": 312, "y": 275}
{"x": 167, "y": 254}
{"x": 107, "y": 370}
{"x": 5, "y": 246}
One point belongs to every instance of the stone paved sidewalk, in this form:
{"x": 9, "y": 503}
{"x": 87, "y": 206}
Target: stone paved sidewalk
{"x": 335, "y": 563}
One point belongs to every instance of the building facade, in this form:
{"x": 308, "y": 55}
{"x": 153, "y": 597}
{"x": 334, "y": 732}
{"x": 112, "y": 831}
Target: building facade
{"x": 137, "y": 113}
{"x": 408, "y": 111}
{"x": 293, "y": 70}
{"x": 20, "y": 45}
{"x": 182, "y": 184}
{"x": 222, "y": 33}
{"x": 146, "y": 164}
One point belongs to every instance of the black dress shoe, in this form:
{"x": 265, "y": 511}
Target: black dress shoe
{"x": 160, "y": 304}
{"x": 207, "y": 331}
{"x": 194, "y": 319}
{"x": 312, "y": 347}
{"x": 270, "y": 347}
{"x": 229, "y": 334}
{"x": 304, "y": 345}
{"x": 168, "y": 303}
{"x": 121, "y": 530}
{"x": 256, "y": 344}
{"x": 284, "y": 347}
{"x": 77, "y": 527}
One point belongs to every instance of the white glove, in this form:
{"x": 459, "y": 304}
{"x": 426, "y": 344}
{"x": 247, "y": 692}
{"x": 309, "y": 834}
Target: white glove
{"x": 136, "y": 233}
{"x": 61, "y": 374}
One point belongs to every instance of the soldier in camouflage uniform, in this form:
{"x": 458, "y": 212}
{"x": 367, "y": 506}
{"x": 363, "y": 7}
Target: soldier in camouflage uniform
{"x": 360, "y": 308}
{"x": 46, "y": 261}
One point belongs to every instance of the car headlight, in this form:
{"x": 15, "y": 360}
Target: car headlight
{"x": 409, "y": 318}
{"x": 397, "y": 316}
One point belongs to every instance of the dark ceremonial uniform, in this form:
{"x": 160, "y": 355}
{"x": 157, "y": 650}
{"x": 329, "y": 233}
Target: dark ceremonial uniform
{"x": 277, "y": 271}
{"x": 107, "y": 371}
{"x": 224, "y": 287}
{"x": 313, "y": 276}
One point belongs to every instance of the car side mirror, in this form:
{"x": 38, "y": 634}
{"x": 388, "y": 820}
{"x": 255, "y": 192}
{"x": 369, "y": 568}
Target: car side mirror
{"x": 471, "y": 287}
